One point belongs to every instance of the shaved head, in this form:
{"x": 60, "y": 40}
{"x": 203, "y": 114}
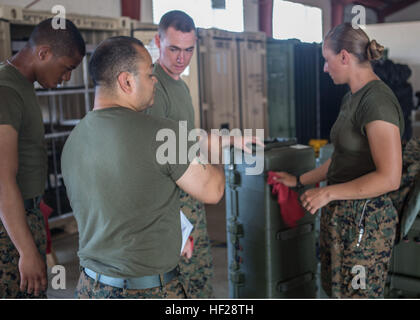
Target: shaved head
{"x": 113, "y": 56}
{"x": 63, "y": 42}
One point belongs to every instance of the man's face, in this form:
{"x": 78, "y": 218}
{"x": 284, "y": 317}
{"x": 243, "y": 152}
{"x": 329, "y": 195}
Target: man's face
{"x": 54, "y": 70}
{"x": 145, "y": 82}
{"x": 176, "y": 49}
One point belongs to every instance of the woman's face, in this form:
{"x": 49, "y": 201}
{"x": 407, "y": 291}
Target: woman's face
{"x": 334, "y": 65}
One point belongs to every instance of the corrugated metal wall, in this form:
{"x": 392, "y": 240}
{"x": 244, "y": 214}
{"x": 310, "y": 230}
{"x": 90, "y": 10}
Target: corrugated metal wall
{"x": 330, "y": 99}
{"x": 281, "y": 88}
{"x": 303, "y": 101}
{"x": 307, "y": 92}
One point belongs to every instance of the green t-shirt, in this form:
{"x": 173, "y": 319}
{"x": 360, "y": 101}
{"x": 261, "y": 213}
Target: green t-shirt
{"x": 172, "y": 99}
{"x": 125, "y": 203}
{"x": 352, "y": 157}
{"x": 19, "y": 108}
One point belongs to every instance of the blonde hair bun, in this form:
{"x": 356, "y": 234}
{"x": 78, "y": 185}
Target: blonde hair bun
{"x": 374, "y": 50}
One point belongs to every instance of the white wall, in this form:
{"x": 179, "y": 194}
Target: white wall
{"x": 371, "y": 16}
{"x": 104, "y": 8}
{"x": 402, "y": 41}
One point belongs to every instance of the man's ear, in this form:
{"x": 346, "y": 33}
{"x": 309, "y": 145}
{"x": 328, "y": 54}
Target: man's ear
{"x": 125, "y": 82}
{"x": 157, "y": 40}
{"x": 44, "y": 52}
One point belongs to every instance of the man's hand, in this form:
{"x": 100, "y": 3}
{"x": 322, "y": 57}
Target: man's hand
{"x": 188, "y": 248}
{"x": 244, "y": 143}
{"x": 33, "y": 276}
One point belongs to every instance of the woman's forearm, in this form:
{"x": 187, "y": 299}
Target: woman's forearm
{"x": 368, "y": 186}
{"x": 317, "y": 175}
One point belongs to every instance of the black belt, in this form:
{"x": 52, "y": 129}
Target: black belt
{"x": 32, "y": 203}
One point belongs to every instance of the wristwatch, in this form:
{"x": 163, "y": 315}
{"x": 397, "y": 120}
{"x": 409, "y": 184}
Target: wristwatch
{"x": 299, "y": 184}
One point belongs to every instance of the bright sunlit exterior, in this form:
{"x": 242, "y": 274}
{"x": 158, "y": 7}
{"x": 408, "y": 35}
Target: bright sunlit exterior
{"x": 296, "y": 21}
{"x": 231, "y": 18}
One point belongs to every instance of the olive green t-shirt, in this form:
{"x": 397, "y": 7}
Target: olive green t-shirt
{"x": 125, "y": 202}
{"x": 172, "y": 99}
{"x": 19, "y": 108}
{"x": 352, "y": 157}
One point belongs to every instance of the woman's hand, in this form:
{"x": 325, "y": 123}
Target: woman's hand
{"x": 188, "y": 248}
{"x": 313, "y": 199}
{"x": 286, "y": 178}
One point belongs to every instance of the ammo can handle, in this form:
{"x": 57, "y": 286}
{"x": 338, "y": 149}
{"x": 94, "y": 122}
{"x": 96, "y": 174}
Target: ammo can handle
{"x": 295, "y": 282}
{"x": 295, "y": 232}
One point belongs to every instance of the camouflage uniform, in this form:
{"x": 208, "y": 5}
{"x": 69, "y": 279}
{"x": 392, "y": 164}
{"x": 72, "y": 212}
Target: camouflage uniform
{"x": 88, "y": 289}
{"x": 340, "y": 254}
{"x": 9, "y": 256}
{"x": 340, "y": 232}
{"x": 197, "y": 272}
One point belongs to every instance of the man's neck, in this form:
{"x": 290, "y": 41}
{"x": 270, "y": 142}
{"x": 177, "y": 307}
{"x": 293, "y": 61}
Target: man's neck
{"x": 23, "y": 62}
{"x": 106, "y": 101}
{"x": 172, "y": 75}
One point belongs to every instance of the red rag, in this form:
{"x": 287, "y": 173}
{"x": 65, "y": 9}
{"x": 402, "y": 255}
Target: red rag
{"x": 46, "y": 212}
{"x": 288, "y": 200}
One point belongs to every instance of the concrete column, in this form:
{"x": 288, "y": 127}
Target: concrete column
{"x": 146, "y": 11}
{"x": 251, "y": 19}
{"x": 265, "y": 16}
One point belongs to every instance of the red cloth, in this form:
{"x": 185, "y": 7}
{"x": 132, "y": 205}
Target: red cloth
{"x": 46, "y": 212}
{"x": 290, "y": 208}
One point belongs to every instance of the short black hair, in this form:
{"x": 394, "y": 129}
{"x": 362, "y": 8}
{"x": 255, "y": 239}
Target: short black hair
{"x": 113, "y": 56}
{"x": 63, "y": 42}
{"x": 176, "y": 19}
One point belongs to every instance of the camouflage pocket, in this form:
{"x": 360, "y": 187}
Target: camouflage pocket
{"x": 9, "y": 256}
{"x": 36, "y": 224}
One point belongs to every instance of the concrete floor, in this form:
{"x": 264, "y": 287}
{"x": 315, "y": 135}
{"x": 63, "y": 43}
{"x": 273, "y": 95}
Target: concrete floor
{"x": 66, "y": 246}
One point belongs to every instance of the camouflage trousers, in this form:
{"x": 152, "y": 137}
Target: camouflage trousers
{"x": 9, "y": 257}
{"x": 197, "y": 272}
{"x": 349, "y": 270}
{"x": 87, "y": 288}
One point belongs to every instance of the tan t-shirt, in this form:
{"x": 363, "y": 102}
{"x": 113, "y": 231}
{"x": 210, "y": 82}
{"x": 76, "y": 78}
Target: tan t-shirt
{"x": 352, "y": 157}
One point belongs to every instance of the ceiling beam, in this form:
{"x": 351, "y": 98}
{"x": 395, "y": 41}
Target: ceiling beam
{"x": 374, "y": 4}
{"x": 395, "y": 8}
{"x": 337, "y": 13}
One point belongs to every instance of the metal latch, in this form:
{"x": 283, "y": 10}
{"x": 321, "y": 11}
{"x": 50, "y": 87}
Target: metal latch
{"x": 236, "y": 229}
{"x": 295, "y": 282}
{"x": 295, "y": 232}
{"x": 237, "y": 277}
{"x": 234, "y": 179}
